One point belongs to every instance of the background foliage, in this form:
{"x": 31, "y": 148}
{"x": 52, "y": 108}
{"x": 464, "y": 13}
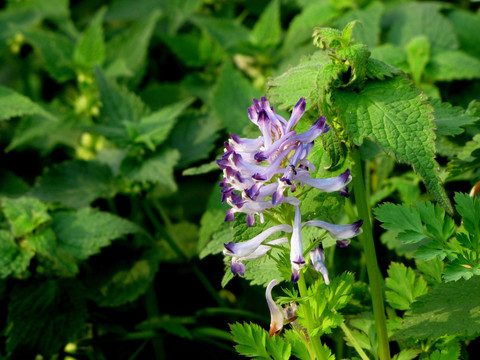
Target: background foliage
{"x": 112, "y": 113}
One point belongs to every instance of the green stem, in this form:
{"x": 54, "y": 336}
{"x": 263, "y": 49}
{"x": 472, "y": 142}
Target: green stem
{"x": 353, "y": 341}
{"x": 315, "y": 341}
{"x": 368, "y": 244}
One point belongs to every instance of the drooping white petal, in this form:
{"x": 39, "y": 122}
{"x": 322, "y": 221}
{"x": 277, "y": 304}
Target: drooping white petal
{"x": 317, "y": 257}
{"x": 276, "y": 313}
{"x": 296, "y": 248}
{"x": 336, "y": 183}
{"x": 339, "y": 232}
{"x": 245, "y": 248}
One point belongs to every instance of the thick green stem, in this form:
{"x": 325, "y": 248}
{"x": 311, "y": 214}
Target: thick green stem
{"x": 374, "y": 277}
{"x": 318, "y": 350}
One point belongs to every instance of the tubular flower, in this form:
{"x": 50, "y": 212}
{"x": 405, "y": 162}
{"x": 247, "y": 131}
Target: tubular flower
{"x": 317, "y": 258}
{"x": 257, "y": 173}
{"x": 276, "y": 312}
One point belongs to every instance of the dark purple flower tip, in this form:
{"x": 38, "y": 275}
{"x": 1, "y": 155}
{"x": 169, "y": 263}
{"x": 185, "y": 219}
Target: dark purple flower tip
{"x": 236, "y": 158}
{"x": 286, "y": 180}
{"x": 295, "y": 277}
{"x": 235, "y": 138}
{"x": 230, "y": 247}
{"x": 229, "y": 215}
{"x": 344, "y": 192}
{"x": 237, "y": 268}
{"x": 250, "y": 220}
{"x": 257, "y": 104}
{"x": 301, "y": 104}
{"x": 222, "y": 163}
{"x": 260, "y": 177}
{"x": 342, "y": 244}
{"x": 253, "y": 191}
{"x": 299, "y": 261}
{"x": 260, "y": 156}
{"x": 357, "y": 225}
{"x": 344, "y": 177}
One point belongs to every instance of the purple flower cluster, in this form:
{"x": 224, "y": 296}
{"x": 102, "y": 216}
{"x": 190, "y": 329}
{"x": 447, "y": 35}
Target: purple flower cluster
{"x": 257, "y": 173}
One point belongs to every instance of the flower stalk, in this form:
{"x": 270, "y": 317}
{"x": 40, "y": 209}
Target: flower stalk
{"x": 366, "y": 239}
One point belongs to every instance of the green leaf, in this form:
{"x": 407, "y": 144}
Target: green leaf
{"x": 450, "y": 119}
{"x": 131, "y": 45}
{"x": 418, "y": 55}
{"x": 299, "y": 349}
{"x": 36, "y": 312}
{"x": 25, "y": 215}
{"x": 448, "y": 309}
{"x": 451, "y": 352}
{"x": 267, "y": 30}
{"x": 118, "y": 104}
{"x": 15, "y": 259}
{"x": 57, "y": 53}
{"x": 226, "y": 31}
{"x": 460, "y": 268}
{"x": 157, "y": 168}
{"x": 278, "y": 348}
{"x": 398, "y": 118}
{"x": 469, "y": 208}
{"x": 404, "y": 287}
{"x": 13, "y": 104}
{"x": 85, "y": 232}
{"x": 452, "y": 65}
{"x": 303, "y": 80}
{"x": 230, "y": 103}
{"x": 377, "y": 69}
{"x": 399, "y": 217}
{"x": 369, "y": 17}
{"x": 251, "y": 340}
{"x": 90, "y": 48}
{"x": 75, "y": 183}
{"x": 466, "y": 23}
{"x": 153, "y": 129}
{"x": 416, "y": 19}
{"x": 300, "y": 28}
{"x": 122, "y": 283}
{"x": 13, "y": 186}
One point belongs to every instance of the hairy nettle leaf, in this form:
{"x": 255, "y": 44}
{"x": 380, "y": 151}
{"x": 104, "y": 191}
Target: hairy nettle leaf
{"x": 397, "y": 117}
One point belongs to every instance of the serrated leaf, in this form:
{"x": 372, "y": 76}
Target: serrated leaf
{"x": 14, "y": 104}
{"x": 90, "y": 47}
{"x": 153, "y": 129}
{"x": 267, "y": 30}
{"x": 25, "y": 214}
{"x": 407, "y": 354}
{"x": 418, "y": 55}
{"x": 399, "y": 217}
{"x": 12, "y": 185}
{"x": 14, "y": 259}
{"x": 118, "y": 285}
{"x": 452, "y": 65}
{"x": 230, "y": 103}
{"x": 451, "y": 352}
{"x": 36, "y": 311}
{"x": 300, "y": 27}
{"x": 302, "y": 81}
{"x": 57, "y": 52}
{"x": 404, "y": 286}
{"x": 131, "y": 45}
{"x": 84, "y": 232}
{"x": 378, "y": 69}
{"x": 466, "y": 23}
{"x": 397, "y": 117}
{"x": 195, "y": 137}
{"x": 368, "y": 31}
{"x": 118, "y": 104}
{"x": 458, "y": 269}
{"x": 278, "y": 348}
{"x": 194, "y": 50}
{"x": 450, "y": 119}
{"x": 416, "y": 19}
{"x": 448, "y": 309}
{"x": 299, "y": 349}
{"x": 75, "y": 183}
{"x": 469, "y": 208}
{"x": 251, "y": 340}
{"x": 156, "y": 168}
{"x": 226, "y": 31}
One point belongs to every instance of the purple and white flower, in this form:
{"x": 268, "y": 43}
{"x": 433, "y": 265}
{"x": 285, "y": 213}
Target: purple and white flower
{"x": 262, "y": 173}
{"x": 276, "y": 312}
